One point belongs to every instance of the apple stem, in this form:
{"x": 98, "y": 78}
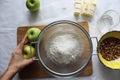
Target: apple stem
{"x": 31, "y": 33}
{"x": 32, "y": 1}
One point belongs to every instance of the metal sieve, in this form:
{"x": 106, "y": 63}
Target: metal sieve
{"x": 61, "y": 69}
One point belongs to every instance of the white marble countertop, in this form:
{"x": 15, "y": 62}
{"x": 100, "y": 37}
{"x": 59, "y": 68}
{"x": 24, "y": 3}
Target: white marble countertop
{"x": 13, "y": 13}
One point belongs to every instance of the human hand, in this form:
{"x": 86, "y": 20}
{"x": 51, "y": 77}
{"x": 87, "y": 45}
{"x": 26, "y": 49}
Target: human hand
{"x": 17, "y": 60}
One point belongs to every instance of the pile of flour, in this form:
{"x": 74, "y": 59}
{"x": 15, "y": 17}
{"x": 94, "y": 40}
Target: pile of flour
{"x": 64, "y": 48}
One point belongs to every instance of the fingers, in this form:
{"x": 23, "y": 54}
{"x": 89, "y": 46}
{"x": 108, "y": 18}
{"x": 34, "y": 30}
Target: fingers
{"x": 24, "y": 40}
{"x": 28, "y": 61}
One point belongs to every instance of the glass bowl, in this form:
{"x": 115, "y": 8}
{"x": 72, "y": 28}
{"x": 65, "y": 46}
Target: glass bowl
{"x": 64, "y": 48}
{"x": 108, "y": 21}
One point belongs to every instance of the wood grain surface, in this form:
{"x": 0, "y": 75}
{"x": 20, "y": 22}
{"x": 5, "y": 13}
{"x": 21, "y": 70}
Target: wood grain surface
{"x": 34, "y": 70}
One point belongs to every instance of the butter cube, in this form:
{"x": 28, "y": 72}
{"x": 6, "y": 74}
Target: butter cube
{"x": 88, "y": 8}
{"x": 78, "y": 6}
{"x": 78, "y": 1}
{"x": 76, "y": 11}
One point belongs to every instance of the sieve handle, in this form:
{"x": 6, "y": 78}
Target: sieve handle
{"x": 95, "y": 38}
{"x": 33, "y": 42}
{"x": 34, "y": 58}
{"x": 94, "y": 45}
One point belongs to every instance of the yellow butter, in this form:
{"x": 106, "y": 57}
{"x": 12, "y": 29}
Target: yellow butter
{"x": 76, "y": 11}
{"x": 77, "y": 6}
{"x": 88, "y": 8}
{"x": 78, "y": 1}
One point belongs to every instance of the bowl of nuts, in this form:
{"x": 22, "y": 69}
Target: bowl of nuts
{"x": 109, "y": 49}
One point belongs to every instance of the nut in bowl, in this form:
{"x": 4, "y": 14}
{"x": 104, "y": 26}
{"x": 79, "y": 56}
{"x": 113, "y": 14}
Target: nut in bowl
{"x": 109, "y": 49}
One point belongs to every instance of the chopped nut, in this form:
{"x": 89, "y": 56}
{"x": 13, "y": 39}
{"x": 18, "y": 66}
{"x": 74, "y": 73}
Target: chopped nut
{"x": 110, "y": 48}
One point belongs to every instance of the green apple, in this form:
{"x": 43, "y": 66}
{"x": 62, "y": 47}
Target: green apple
{"x": 28, "y": 51}
{"x": 33, "y": 34}
{"x": 33, "y": 5}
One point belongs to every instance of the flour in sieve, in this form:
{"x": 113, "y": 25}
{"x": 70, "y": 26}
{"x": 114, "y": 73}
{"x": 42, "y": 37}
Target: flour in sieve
{"x": 64, "y": 48}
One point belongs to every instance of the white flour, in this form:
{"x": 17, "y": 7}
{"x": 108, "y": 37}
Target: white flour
{"x": 64, "y": 48}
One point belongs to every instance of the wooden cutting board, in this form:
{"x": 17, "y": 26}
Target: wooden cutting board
{"x": 34, "y": 70}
